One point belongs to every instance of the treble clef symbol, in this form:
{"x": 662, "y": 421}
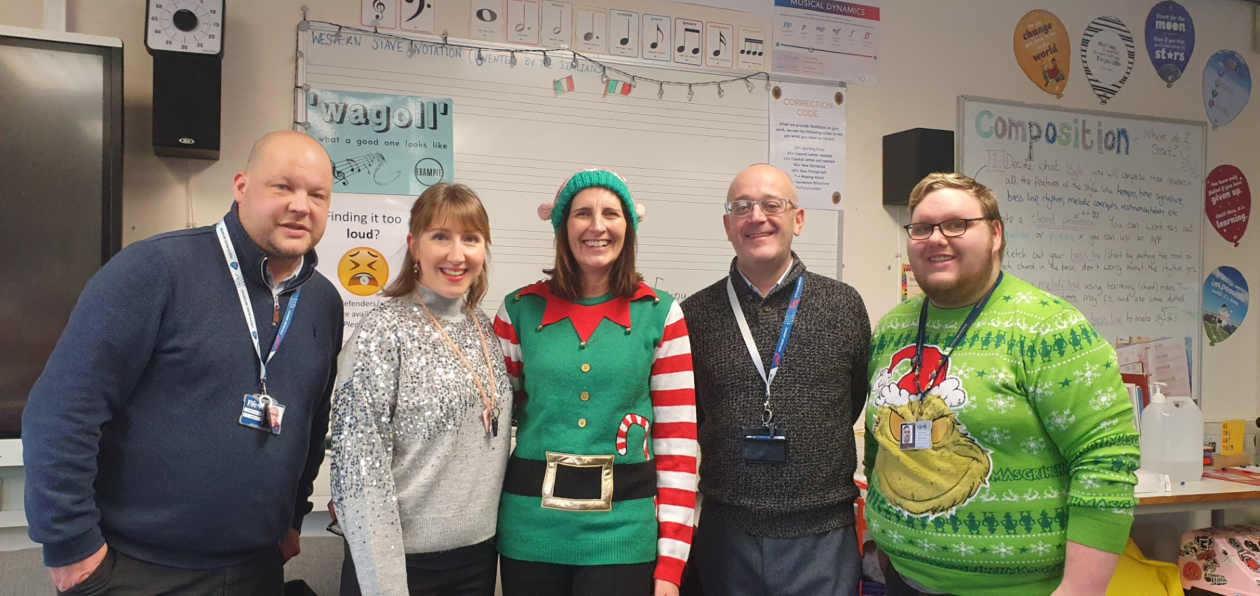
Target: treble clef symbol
{"x": 379, "y": 7}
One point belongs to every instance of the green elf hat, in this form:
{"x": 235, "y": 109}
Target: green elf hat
{"x": 582, "y": 180}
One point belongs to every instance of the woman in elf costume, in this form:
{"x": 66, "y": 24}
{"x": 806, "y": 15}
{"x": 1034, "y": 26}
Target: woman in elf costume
{"x": 419, "y": 442}
{"x": 600, "y": 492}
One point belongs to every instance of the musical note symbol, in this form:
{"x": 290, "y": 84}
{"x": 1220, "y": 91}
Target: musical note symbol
{"x": 626, "y": 40}
{"x": 379, "y": 7}
{"x": 591, "y": 34}
{"x": 660, "y": 36}
{"x": 420, "y": 6}
{"x": 486, "y": 15}
{"x": 749, "y": 49}
{"x": 686, "y": 35}
{"x": 556, "y": 30}
{"x": 721, "y": 44}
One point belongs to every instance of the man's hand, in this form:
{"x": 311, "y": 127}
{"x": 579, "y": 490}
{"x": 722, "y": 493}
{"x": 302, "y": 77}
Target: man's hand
{"x": 64, "y": 578}
{"x": 290, "y": 545}
{"x": 664, "y": 588}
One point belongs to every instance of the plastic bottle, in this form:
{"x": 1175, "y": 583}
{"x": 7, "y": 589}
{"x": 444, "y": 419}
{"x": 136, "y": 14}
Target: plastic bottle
{"x": 1172, "y": 437}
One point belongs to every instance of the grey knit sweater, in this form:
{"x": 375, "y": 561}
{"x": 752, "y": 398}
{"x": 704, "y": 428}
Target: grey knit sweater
{"x": 819, "y": 391}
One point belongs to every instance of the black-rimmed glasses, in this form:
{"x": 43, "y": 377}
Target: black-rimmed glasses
{"x": 768, "y": 206}
{"x": 950, "y": 228}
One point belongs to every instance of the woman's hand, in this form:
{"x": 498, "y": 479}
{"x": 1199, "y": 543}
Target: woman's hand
{"x": 664, "y": 588}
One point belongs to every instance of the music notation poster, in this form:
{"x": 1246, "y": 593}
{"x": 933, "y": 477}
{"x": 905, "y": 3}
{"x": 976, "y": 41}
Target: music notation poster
{"x": 382, "y": 14}
{"x": 830, "y": 40}
{"x": 417, "y": 16}
{"x": 687, "y": 42}
{"x": 383, "y": 144}
{"x": 487, "y": 19}
{"x": 752, "y": 49}
{"x": 719, "y": 39}
{"x": 590, "y": 32}
{"x": 557, "y": 24}
{"x": 624, "y": 29}
{"x": 657, "y": 38}
{"x": 522, "y": 26}
{"x": 807, "y": 140}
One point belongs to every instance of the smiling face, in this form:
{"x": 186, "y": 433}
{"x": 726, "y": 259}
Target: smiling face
{"x": 596, "y": 229}
{"x": 954, "y": 272}
{"x": 760, "y": 240}
{"x": 283, "y": 195}
{"x": 450, "y": 257}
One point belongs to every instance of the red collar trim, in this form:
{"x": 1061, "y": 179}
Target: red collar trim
{"x": 585, "y": 318}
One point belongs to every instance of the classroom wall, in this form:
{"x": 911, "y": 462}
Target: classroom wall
{"x": 930, "y": 52}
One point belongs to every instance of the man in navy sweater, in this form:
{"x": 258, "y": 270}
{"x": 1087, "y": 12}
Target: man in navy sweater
{"x": 173, "y": 438}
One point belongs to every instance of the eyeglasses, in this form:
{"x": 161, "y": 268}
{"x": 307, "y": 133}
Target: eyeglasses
{"x": 950, "y": 228}
{"x": 768, "y": 206}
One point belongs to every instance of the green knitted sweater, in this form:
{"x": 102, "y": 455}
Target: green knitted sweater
{"x": 1033, "y": 445}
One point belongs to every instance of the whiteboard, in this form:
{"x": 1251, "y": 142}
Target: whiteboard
{"x": 1104, "y": 210}
{"x": 515, "y": 142}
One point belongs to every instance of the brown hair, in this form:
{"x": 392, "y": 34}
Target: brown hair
{"x": 440, "y": 202}
{"x": 939, "y": 180}
{"x": 566, "y": 275}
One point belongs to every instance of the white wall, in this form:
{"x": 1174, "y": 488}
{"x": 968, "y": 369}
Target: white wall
{"x": 931, "y": 52}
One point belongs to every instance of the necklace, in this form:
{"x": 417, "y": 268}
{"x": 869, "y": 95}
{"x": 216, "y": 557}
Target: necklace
{"x": 489, "y": 416}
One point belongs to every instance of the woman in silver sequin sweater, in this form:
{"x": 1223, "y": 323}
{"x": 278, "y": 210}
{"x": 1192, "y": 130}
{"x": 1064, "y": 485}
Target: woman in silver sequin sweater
{"x": 421, "y": 415}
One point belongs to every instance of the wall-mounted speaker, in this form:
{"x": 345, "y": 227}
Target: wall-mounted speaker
{"x": 910, "y": 155}
{"x": 187, "y": 98}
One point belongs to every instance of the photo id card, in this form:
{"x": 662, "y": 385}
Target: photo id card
{"x": 916, "y": 435}
{"x": 252, "y": 413}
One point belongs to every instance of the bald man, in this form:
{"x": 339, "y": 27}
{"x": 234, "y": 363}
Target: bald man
{"x": 775, "y": 423}
{"x": 172, "y": 441}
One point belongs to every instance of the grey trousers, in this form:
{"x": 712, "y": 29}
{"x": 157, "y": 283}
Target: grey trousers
{"x": 732, "y": 563}
{"x": 121, "y": 575}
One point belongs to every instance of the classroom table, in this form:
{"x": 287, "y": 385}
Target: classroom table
{"x": 1209, "y": 494}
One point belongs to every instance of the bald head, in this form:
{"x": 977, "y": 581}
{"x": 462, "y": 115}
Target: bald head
{"x": 761, "y": 175}
{"x": 284, "y": 141}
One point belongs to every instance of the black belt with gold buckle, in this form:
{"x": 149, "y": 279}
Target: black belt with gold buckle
{"x": 579, "y": 482}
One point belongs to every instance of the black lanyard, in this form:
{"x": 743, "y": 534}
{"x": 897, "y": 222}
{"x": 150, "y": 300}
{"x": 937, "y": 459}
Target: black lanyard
{"x": 917, "y": 363}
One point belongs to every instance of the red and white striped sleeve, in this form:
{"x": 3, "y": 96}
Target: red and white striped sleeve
{"x": 511, "y": 343}
{"x": 675, "y": 445}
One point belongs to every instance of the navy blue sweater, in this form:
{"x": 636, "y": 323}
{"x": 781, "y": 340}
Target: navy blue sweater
{"x": 131, "y": 435}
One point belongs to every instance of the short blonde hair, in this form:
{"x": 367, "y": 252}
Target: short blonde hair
{"x": 939, "y": 180}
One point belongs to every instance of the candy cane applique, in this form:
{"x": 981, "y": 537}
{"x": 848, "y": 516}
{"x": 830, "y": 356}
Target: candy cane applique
{"x": 626, "y": 423}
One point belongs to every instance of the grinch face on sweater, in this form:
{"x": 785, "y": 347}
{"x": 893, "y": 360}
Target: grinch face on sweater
{"x": 931, "y": 481}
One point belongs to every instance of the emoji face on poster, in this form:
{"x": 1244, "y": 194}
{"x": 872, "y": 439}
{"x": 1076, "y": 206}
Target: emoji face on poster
{"x": 1228, "y": 202}
{"x": 1107, "y": 55}
{"x": 1226, "y": 87}
{"x": 1225, "y": 301}
{"x": 363, "y": 271}
{"x": 1169, "y": 40}
{"x": 1043, "y": 51}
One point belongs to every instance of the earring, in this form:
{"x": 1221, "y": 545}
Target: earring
{"x": 415, "y": 268}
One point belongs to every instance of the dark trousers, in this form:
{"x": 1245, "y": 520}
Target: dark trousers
{"x": 466, "y": 571}
{"x": 894, "y": 584}
{"x": 732, "y": 563}
{"x": 121, "y": 575}
{"x": 526, "y": 578}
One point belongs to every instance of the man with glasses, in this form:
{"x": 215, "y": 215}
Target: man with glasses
{"x": 780, "y": 358}
{"x": 1000, "y": 443}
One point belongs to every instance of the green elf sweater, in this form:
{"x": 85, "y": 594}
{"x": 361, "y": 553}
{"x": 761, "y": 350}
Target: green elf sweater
{"x": 601, "y": 376}
{"x": 1032, "y": 445}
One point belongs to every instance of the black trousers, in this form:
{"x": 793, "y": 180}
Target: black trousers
{"x": 527, "y": 578}
{"x": 894, "y": 583}
{"x": 732, "y": 563}
{"x": 121, "y": 575}
{"x": 467, "y": 571}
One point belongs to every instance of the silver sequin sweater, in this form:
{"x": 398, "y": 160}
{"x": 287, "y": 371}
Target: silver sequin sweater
{"x": 413, "y": 470}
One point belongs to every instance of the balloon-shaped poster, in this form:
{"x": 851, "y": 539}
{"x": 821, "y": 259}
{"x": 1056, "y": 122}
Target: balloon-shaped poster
{"x": 1226, "y": 87}
{"x": 1225, "y": 301}
{"x": 1228, "y": 202}
{"x": 1169, "y": 40}
{"x": 1107, "y": 53}
{"x": 1043, "y": 50}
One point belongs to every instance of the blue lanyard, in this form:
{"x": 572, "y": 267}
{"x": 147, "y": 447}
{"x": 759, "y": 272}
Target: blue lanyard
{"x": 247, "y": 306}
{"x": 917, "y": 363}
{"x": 779, "y": 348}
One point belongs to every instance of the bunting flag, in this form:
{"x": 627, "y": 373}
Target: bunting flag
{"x": 617, "y": 87}
{"x": 562, "y": 86}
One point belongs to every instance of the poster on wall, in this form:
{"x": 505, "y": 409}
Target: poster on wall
{"x": 590, "y": 33}
{"x": 486, "y": 20}
{"x": 1042, "y": 50}
{"x": 383, "y": 144}
{"x": 752, "y": 48}
{"x": 1169, "y": 40}
{"x": 522, "y": 25}
{"x": 625, "y": 33}
{"x": 657, "y": 38}
{"x": 830, "y": 40}
{"x": 807, "y": 138}
{"x": 380, "y": 14}
{"x": 557, "y": 23}
{"x": 1107, "y": 55}
{"x": 1226, "y": 87}
{"x": 1225, "y": 300}
{"x": 417, "y": 16}
{"x": 362, "y": 249}
{"x": 1228, "y": 202}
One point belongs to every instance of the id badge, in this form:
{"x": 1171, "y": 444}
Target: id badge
{"x": 916, "y": 435}
{"x": 765, "y": 445}
{"x": 262, "y": 412}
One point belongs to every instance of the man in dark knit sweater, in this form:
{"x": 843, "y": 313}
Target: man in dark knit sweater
{"x": 147, "y": 469}
{"x": 770, "y": 527}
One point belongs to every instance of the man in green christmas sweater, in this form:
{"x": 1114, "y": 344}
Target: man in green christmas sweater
{"x": 1000, "y": 444}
